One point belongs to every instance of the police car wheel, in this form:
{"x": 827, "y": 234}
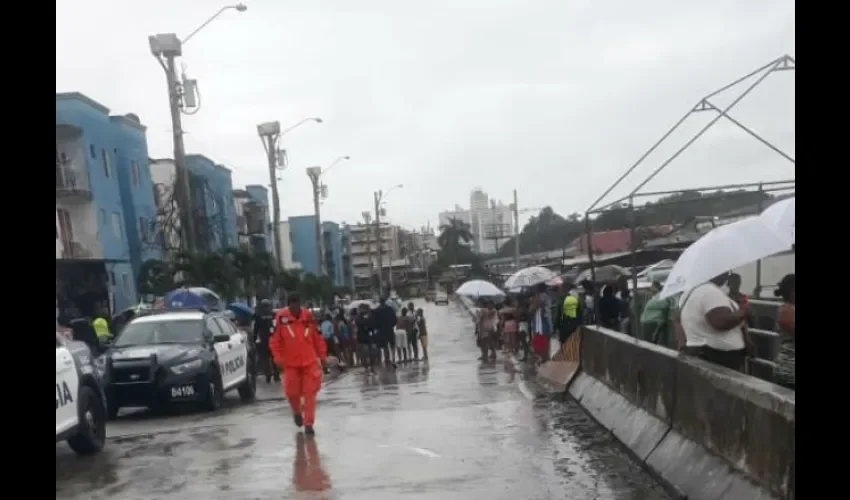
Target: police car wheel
{"x": 91, "y": 433}
{"x": 248, "y": 389}
{"x": 215, "y": 393}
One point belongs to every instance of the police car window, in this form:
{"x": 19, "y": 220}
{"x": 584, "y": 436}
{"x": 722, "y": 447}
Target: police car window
{"x": 214, "y": 327}
{"x": 161, "y": 332}
{"x": 226, "y": 326}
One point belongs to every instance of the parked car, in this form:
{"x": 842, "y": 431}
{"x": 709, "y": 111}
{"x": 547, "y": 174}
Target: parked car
{"x": 177, "y": 356}
{"x": 430, "y": 295}
{"x": 80, "y": 401}
{"x": 441, "y": 298}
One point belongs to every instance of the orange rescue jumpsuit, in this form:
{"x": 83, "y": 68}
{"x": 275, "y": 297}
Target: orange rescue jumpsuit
{"x": 298, "y": 349}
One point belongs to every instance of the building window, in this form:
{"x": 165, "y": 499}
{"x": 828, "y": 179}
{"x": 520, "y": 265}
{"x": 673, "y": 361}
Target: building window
{"x": 134, "y": 172}
{"x": 112, "y": 278}
{"x": 144, "y": 229}
{"x": 105, "y": 158}
{"x": 125, "y": 284}
{"x": 103, "y": 220}
{"x": 92, "y": 151}
{"x": 117, "y": 227}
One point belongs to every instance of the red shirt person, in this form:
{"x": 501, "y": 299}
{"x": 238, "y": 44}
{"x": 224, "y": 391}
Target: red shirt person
{"x": 300, "y": 352}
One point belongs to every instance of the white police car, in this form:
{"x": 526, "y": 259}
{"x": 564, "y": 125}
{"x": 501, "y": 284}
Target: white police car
{"x": 175, "y": 357}
{"x": 80, "y": 401}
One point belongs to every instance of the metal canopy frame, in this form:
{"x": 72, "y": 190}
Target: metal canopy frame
{"x": 783, "y": 63}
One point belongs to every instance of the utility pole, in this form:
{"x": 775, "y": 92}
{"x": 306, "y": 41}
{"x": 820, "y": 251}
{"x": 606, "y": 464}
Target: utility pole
{"x": 315, "y": 175}
{"x": 379, "y": 243}
{"x": 166, "y": 47}
{"x": 270, "y": 135}
{"x": 367, "y": 219}
{"x": 516, "y": 232}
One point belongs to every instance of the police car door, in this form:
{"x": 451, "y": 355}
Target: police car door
{"x": 224, "y": 351}
{"x": 67, "y": 387}
{"x": 239, "y": 350}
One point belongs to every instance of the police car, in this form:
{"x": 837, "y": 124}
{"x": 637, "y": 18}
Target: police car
{"x": 80, "y": 402}
{"x": 177, "y": 356}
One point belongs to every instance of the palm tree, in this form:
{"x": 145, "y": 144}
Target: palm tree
{"x": 452, "y": 235}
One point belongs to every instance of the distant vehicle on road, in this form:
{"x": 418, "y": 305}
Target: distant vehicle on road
{"x": 441, "y": 298}
{"x": 430, "y": 295}
{"x": 80, "y": 401}
{"x": 176, "y": 357}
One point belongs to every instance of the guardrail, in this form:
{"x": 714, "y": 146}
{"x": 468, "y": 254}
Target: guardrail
{"x": 706, "y": 431}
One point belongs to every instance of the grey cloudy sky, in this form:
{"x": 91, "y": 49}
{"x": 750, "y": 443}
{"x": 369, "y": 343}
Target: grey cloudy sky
{"x": 553, "y": 97}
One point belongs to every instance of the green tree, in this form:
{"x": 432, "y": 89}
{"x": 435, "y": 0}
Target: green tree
{"x": 549, "y": 231}
{"x": 453, "y": 237}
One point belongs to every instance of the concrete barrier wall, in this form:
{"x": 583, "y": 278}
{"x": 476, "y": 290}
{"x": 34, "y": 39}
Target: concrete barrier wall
{"x": 708, "y": 432}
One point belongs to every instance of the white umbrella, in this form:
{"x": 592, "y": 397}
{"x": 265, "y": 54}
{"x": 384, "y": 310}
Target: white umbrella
{"x": 528, "y": 277}
{"x": 721, "y": 250}
{"x": 479, "y": 288}
{"x": 782, "y": 218}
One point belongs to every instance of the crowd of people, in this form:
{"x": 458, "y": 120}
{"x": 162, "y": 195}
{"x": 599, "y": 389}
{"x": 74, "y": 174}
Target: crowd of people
{"x": 357, "y": 337}
{"x": 714, "y": 324}
{"x": 707, "y": 321}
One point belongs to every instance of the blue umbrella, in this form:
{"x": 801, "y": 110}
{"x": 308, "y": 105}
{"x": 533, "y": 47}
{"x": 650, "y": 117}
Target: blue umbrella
{"x": 241, "y": 310}
{"x": 183, "y": 298}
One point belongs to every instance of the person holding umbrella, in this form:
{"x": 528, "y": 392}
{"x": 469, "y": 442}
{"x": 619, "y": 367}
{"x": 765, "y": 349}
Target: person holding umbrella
{"x": 713, "y": 322}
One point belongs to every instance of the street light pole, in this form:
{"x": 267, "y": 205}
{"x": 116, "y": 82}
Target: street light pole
{"x": 181, "y": 174}
{"x": 166, "y": 47}
{"x": 367, "y": 220}
{"x": 378, "y": 243}
{"x": 379, "y": 198}
{"x": 315, "y": 173}
{"x": 270, "y": 135}
{"x": 516, "y": 232}
{"x": 320, "y": 192}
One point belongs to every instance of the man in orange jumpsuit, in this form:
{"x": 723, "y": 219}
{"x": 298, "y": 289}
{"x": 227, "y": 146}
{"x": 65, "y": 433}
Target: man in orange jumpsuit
{"x": 300, "y": 351}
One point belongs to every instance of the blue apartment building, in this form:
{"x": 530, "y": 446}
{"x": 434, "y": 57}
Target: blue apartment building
{"x": 104, "y": 196}
{"x": 211, "y": 186}
{"x": 260, "y": 195}
{"x": 302, "y": 233}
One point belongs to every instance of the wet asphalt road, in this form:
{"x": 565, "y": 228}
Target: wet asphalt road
{"x": 453, "y": 429}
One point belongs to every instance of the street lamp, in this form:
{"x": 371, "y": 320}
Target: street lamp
{"x": 270, "y": 135}
{"x": 379, "y": 198}
{"x": 166, "y": 47}
{"x": 320, "y": 191}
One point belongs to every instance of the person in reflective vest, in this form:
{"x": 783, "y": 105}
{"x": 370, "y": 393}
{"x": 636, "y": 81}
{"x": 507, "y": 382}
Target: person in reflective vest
{"x": 300, "y": 352}
{"x": 101, "y": 327}
{"x": 570, "y": 319}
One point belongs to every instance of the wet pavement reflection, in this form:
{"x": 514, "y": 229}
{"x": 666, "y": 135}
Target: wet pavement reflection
{"x": 450, "y": 429}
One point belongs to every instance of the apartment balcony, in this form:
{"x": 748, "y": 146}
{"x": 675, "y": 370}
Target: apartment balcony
{"x": 72, "y": 179}
{"x": 81, "y": 246}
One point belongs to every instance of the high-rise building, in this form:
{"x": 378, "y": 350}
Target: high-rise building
{"x": 364, "y": 247}
{"x": 489, "y": 221}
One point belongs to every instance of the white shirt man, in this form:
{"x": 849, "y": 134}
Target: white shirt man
{"x": 695, "y": 307}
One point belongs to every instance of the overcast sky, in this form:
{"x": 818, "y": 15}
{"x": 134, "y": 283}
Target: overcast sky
{"x": 555, "y": 98}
